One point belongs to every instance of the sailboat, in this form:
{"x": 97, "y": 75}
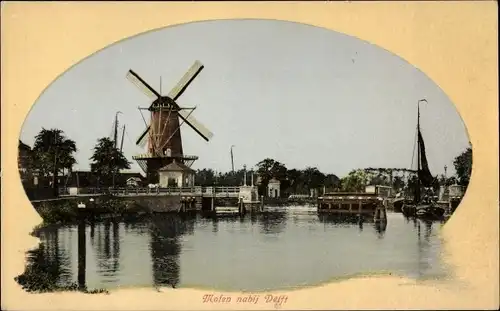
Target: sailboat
{"x": 422, "y": 207}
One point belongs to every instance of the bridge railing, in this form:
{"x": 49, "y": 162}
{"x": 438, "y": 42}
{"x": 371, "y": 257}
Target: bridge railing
{"x": 176, "y": 190}
{"x": 223, "y": 190}
{"x": 146, "y": 190}
{"x": 227, "y": 189}
{"x": 86, "y": 190}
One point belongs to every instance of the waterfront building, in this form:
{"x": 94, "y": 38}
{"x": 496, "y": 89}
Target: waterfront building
{"x": 176, "y": 175}
{"x": 273, "y": 188}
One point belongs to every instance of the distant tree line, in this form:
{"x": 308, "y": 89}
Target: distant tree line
{"x": 292, "y": 181}
{"x": 53, "y": 154}
{"x": 302, "y": 181}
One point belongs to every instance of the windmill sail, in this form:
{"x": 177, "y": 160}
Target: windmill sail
{"x": 424, "y": 174}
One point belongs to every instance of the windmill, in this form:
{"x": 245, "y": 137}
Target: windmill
{"x": 162, "y": 134}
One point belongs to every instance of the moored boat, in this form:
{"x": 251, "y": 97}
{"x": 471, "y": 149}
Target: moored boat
{"x": 398, "y": 203}
{"x": 426, "y": 208}
{"x": 429, "y": 211}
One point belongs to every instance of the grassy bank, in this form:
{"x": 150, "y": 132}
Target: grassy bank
{"x": 66, "y": 210}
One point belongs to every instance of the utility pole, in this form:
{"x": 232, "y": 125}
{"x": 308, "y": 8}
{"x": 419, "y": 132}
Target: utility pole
{"x": 55, "y": 180}
{"x": 115, "y": 141}
{"x": 244, "y": 175}
{"x": 55, "y": 184}
{"x": 114, "y": 169}
{"x": 115, "y": 131}
{"x": 232, "y": 159}
{"x": 123, "y": 135}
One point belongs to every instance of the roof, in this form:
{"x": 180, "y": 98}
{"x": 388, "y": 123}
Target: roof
{"x": 176, "y": 167}
{"x": 134, "y": 178}
{"x": 165, "y": 100}
{"x": 23, "y": 146}
{"x": 274, "y": 181}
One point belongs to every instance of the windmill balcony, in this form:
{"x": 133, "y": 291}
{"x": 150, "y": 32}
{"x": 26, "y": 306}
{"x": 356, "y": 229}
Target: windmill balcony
{"x": 153, "y": 155}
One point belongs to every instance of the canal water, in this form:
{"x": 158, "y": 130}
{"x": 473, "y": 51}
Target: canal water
{"x": 282, "y": 249}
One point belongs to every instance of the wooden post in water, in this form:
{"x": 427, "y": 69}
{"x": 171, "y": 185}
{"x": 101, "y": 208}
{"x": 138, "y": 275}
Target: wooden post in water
{"x": 261, "y": 203}
{"x": 82, "y": 251}
{"x": 360, "y": 212}
{"x": 240, "y": 206}
{"x": 212, "y": 203}
{"x": 383, "y": 213}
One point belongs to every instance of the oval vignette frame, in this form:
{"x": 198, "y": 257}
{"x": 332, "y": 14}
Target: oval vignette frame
{"x": 182, "y": 24}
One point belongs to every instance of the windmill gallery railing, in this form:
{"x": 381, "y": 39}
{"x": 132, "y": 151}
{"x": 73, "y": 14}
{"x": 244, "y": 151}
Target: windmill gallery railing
{"x": 220, "y": 191}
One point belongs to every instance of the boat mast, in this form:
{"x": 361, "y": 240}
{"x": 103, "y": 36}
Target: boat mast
{"x": 417, "y": 193}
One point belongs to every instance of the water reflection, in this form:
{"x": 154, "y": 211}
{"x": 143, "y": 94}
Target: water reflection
{"x": 107, "y": 244}
{"x": 380, "y": 228}
{"x": 169, "y": 250}
{"x": 165, "y": 249}
{"x": 272, "y": 223}
{"x": 82, "y": 256}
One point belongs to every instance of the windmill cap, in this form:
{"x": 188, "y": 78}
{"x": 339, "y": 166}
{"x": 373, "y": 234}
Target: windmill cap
{"x": 165, "y": 100}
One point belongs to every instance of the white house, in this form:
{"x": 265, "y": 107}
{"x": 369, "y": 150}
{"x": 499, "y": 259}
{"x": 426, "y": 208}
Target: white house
{"x": 176, "y": 174}
{"x": 383, "y": 191}
{"x": 273, "y": 188}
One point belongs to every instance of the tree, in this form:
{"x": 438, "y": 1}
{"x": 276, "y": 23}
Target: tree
{"x": 387, "y": 176}
{"x": 232, "y": 179}
{"x": 355, "y": 181}
{"x": 332, "y": 181}
{"x": 443, "y": 181}
{"x": 463, "y": 166}
{"x": 412, "y": 185}
{"x": 268, "y": 169}
{"x": 398, "y": 183}
{"x": 313, "y": 178}
{"x": 205, "y": 177}
{"x": 52, "y": 153}
{"x": 294, "y": 182}
{"x": 107, "y": 161}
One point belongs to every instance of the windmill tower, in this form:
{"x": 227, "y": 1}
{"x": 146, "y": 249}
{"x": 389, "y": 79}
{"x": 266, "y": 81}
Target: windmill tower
{"x": 162, "y": 134}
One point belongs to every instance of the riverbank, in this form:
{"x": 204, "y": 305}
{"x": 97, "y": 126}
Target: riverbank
{"x": 66, "y": 211}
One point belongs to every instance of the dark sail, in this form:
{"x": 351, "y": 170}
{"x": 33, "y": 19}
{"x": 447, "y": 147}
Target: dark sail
{"x": 424, "y": 174}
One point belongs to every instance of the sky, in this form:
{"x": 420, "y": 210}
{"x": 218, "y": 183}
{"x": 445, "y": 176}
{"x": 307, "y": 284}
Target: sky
{"x": 302, "y": 95}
